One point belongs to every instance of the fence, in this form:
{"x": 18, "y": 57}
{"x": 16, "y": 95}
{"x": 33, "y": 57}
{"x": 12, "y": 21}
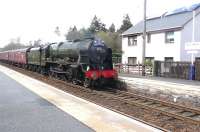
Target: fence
{"x": 162, "y": 69}
{"x": 116, "y": 60}
{"x": 133, "y": 69}
{"x": 197, "y": 70}
{"x": 172, "y": 69}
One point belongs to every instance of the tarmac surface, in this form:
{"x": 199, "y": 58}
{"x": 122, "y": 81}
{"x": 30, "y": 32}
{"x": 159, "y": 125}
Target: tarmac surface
{"x": 23, "y": 111}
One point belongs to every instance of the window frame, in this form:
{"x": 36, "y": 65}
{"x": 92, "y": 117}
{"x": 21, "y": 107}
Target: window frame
{"x": 169, "y": 40}
{"x": 149, "y": 59}
{"x": 148, "y": 38}
{"x": 134, "y": 60}
{"x": 133, "y": 39}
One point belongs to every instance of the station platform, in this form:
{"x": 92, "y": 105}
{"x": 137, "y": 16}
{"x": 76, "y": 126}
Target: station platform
{"x": 169, "y": 85}
{"x": 27, "y": 104}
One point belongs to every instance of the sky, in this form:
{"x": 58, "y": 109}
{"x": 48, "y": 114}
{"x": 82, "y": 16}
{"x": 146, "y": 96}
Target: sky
{"x": 37, "y": 19}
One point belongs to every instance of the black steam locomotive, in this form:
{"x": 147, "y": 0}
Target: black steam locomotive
{"x": 87, "y": 62}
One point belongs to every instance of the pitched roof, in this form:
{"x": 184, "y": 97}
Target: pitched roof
{"x": 174, "y": 20}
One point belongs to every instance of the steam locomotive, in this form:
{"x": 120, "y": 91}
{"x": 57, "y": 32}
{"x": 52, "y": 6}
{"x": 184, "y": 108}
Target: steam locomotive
{"x": 87, "y": 62}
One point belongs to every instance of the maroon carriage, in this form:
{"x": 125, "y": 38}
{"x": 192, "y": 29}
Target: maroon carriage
{"x": 4, "y": 56}
{"x": 18, "y": 56}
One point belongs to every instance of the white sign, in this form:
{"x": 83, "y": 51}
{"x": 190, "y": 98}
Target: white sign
{"x": 192, "y": 52}
{"x": 192, "y": 46}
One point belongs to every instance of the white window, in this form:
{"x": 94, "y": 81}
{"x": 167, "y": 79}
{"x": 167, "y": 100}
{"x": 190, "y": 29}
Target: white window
{"x": 169, "y": 37}
{"x": 149, "y": 59}
{"x": 132, "y": 40}
{"x": 132, "y": 60}
{"x": 148, "y": 38}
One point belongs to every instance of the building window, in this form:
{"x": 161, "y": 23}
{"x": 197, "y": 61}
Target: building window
{"x": 169, "y": 37}
{"x": 132, "y": 60}
{"x": 197, "y": 59}
{"x": 132, "y": 40}
{"x": 168, "y": 59}
{"x": 149, "y": 61}
{"x": 148, "y": 38}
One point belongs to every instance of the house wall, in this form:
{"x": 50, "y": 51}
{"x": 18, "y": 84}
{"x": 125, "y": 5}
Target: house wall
{"x": 157, "y": 48}
{"x": 186, "y": 36}
{"x": 131, "y": 51}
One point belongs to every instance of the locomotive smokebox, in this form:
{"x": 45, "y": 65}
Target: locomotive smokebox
{"x": 97, "y": 51}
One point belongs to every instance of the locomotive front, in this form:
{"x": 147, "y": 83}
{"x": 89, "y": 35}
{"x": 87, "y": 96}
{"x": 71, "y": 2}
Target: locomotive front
{"x": 100, "y": 70}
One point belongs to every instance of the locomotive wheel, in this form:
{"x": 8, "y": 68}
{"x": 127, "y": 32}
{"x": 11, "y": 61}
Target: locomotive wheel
{"x": 69, "y": 75}
{"x": 74, "y": 81}
{"x": 87, "y": 83}
{"x": 50, "y": 74}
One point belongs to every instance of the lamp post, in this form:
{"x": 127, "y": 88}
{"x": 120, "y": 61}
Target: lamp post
{"x": 144, "y": 40}
{"x": 192, "y": 67}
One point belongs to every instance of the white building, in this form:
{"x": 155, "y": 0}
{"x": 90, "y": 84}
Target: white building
{"x": 166, "y": 37}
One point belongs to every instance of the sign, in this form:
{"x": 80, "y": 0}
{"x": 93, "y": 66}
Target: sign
{"x": 192, "y": 52}
{"x": 192, "y": 46}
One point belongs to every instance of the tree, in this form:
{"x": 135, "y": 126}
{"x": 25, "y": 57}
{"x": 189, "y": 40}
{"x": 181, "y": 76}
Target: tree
{"x": 57, "y": 31}
{"x": 126, "y": 24}
{"x": 112, "y": 28}
{"x": 37, "y": 42}
{"x": 13, "y": 44}
{"x": 73, "y": 34}
{"x": 112, "y": 40}
{"x": 85, "y": 33}
{"x": 96, "y": 25}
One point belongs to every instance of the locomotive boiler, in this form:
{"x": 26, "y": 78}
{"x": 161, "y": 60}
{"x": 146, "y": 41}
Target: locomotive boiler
{"x": 87, "y": 62}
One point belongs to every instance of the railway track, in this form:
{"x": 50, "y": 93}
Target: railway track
{"x": 174, "y": 111}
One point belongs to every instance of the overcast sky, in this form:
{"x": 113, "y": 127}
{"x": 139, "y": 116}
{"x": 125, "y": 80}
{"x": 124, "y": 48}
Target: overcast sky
{"x": 33, "y": 19}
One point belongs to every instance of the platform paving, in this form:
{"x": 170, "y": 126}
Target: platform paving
{"x": 169, "y": 85}
{"x": 23, "y": 111}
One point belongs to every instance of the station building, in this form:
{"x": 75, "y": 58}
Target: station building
{"x": 166, "y": 37}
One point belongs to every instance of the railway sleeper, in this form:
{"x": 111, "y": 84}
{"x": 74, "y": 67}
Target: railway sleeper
{"x": 128, "y": 98}
{"x": 179, "y": 116}
{"x": 196, "y": 117}
{"x": 187, "y": 113}
{"x": 140, "y": 101}
{"x": 178, "y": 106}
{"x": 148, "y": 103}
{"x": 155, "y": 105}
